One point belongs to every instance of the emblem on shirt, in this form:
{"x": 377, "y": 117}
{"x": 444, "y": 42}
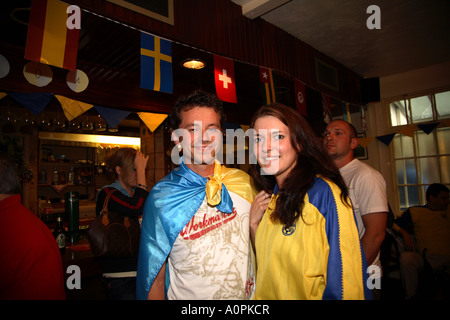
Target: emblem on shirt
{"x": 195, "y": 228}
{"x": 287, "y": 231}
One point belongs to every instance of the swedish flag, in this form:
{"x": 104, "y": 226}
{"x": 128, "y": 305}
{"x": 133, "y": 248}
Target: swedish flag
{"x": 156, "y": 63}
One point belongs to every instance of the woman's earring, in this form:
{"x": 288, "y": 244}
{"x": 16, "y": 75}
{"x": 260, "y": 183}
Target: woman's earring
{"x": 179, "y": 147}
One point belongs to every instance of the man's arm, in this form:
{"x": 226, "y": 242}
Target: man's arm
{"x": 404, "y": 226}
{"x": 375, "y": 225}
{"x": 157, "y": 291}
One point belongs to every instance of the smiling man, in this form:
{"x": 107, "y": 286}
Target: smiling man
{"x": 195, "y": 230}
{"x": 366, "y": 187}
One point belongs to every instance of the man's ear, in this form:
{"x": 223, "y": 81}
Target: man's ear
{"x": 354, "y": 143}
{"x": 118, "y": 170}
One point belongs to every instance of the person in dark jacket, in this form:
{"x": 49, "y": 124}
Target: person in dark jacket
{"x": 131, "y": 191}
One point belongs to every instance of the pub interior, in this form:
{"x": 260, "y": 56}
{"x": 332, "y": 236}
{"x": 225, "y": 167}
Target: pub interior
{"x": 60, "y": 131}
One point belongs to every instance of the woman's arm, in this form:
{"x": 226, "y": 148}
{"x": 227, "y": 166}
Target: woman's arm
{"x": 140, "y": 162}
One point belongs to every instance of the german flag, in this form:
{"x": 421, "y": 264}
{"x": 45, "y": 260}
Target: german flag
{"x": 49, "y": 40}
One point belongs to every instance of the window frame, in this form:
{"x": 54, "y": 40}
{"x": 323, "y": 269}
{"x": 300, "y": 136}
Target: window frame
{"x": 421, "y": 187}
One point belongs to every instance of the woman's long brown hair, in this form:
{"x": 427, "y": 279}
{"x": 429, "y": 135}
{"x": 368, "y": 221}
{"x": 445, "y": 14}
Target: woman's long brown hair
{"x": 312, "y": 160}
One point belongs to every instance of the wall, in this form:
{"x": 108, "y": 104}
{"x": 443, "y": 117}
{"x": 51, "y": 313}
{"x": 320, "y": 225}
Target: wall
{"x": 391, "y": 87}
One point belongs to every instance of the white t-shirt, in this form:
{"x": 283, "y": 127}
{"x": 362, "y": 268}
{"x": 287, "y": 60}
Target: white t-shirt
{"x": 367, "y": 191}
{"x": 211, "y": 257}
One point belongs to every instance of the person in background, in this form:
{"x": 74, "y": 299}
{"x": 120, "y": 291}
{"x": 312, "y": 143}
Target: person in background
{"x": 430, "y": 226}
{"x": 367, "y": 191}
{"x": 31, "y": 266}
{"x": 304, "y": 234}
{"x": 119, "y": 274}
{"x": 195, "y": 234}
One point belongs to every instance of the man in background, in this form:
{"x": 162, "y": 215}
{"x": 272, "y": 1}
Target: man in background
{"x": 367, "y": 191}
{"x": 430, "y": 227}
{"x": 31, "y": 266}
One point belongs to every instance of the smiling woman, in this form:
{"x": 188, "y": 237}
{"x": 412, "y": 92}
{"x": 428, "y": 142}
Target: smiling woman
{"x": 308, "y": 223}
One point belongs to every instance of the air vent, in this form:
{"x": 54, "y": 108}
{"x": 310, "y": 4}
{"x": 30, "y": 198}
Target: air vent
{"x": 326, "y": 75}
{"x": 161, "y": 10}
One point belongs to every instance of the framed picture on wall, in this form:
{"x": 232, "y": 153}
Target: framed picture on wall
{"x": 360, "y": 152}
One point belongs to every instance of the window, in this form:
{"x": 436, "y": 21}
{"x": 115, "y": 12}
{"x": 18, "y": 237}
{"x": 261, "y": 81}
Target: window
{"x": 424, "y": 158}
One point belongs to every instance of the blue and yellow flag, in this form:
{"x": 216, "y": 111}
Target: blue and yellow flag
{"x": 156, "y": 63}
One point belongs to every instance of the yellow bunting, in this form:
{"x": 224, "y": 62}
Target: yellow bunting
{"x": 72, "y": 108}
{"x": 364, "y": 142}
{"x": 408, "y": 131}
{"x": 152, "y": 120}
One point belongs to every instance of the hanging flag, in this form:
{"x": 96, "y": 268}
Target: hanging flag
{"x": 387, "y": 138}
{"x": 49, "y": 40}
{"x": 364, "y": 142}
{"x": 346, "y": 112}
{"x": 300, "y": 97}
{"x": 156, "y": 63}
{"x": 408, "y": 131}
{"x": 36, "y": 102}
{"x": 363, "y": 118}
{"x": 266, "y": 78}
{"x": 428, "y": 127}
{"x": 72, "y": 108}
{"x": 224, "y": 79}
{"x": 112, "y": 116}
{"x": 152, "y": 120}
{"x": 326, "y": 105}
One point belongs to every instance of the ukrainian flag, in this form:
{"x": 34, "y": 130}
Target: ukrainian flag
{"x": 156, "y": 63}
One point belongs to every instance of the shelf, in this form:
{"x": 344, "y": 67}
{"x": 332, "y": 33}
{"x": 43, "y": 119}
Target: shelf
{"x": 66, "y": 185}
{"x": 66, "y": 163}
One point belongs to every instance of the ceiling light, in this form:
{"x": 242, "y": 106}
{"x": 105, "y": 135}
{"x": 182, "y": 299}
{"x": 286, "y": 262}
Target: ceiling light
{"x": 193, "y": 64}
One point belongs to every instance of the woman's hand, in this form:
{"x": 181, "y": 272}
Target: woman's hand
{"x": 259, "y": 206}
{"x": 140, "y": 162}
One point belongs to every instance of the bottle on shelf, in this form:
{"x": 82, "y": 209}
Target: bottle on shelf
{"x": 70, "y": 179}
{"x": 60, "y": 235}
{"x": 61, "y": 177}
{"x": 43, "y": 176}
{"x": 55, "y": 177}
{"x": 72, "y": 210}
{"x": 47, "y": 214}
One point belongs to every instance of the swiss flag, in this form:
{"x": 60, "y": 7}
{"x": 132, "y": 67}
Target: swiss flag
{"x": 224, "y": 79}
{"x": 300, "y": 97}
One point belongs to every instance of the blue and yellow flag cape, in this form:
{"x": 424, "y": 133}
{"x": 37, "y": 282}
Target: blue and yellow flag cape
{"x": 172, "y": 203}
